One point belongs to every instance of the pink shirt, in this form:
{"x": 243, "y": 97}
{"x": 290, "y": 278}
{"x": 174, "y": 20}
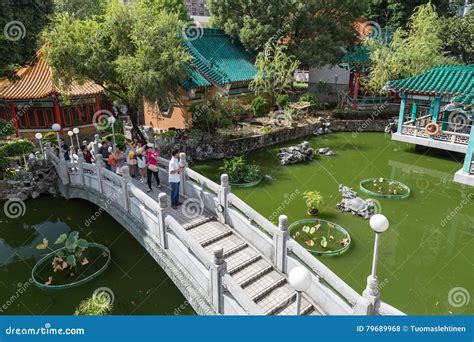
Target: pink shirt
{"x": 152, "y": 158}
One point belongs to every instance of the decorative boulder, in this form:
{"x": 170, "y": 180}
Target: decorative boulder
{"x": 295, "y": 154}
{"x": 353, "y": 203}
{"x": 325, "y": 151}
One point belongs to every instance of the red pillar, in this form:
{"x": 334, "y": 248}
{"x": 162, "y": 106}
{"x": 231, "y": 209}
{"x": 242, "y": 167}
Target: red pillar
{"x": 356, "y": 89}
{"x": 351, "y": 83}
{"x": 97, "y": 103}
{"x": 13, "y": 119}
{"x": 57, "y": 113}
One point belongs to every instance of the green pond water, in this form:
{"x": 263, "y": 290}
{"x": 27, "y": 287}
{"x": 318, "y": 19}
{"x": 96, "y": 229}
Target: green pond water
{"x": 139, "y": 285}
{"x": 426, "y": 255}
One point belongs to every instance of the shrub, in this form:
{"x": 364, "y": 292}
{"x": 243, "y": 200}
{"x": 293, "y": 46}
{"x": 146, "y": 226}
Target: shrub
{"x": 375, "y": 114}
{"x": 97, "y": 305}
{"x": 308, "y": 97}
{"x": 314, "y": 200}
{"x": 216, "y": 113}
{"x": 260, "y": 106}
{"x": 6, "y": 129}
{"x": 17, "y": 148}
{"x": 119, "y": 139}
{"x": 51, "y": 138}
{"x": 282, "y": 100}
{"x": 239, "y": 171}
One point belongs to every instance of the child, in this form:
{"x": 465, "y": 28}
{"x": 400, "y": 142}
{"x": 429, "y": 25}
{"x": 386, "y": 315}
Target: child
{"x": 141, "y": 160}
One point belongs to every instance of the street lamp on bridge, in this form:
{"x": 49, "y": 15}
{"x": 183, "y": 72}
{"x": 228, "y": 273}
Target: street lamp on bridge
{"x": 300, "y": 280}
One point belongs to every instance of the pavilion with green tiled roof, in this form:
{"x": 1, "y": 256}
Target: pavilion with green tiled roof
{"x": 447, "y": 93}
{"x": 219, "y": 59}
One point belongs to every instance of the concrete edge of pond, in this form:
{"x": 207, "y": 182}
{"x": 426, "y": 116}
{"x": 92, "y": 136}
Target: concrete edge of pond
{"x": 178, "y": 275}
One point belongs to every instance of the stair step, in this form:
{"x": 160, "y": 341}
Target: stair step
{"x": 264, "y": 285}
{"x": 240, "y": 259}
{"x": 230, "y": 243}
{"x": 252, "y": 272}
{"x": 278, "y": 298}
{"x": 209, "y": 232}
{"x": 198, "y": 221}
{"x": 306, "y": 308}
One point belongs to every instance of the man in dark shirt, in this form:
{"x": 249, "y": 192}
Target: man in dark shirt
{"x": 104, "y": 151}
{"x": 65, "y": 150}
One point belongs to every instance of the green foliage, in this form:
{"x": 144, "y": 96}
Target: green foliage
{"x": 119, "y": 139}
{"x": 132, "y": 50}
{"x": 6, "y": 129}
{"x": 309, "y": 97}
{"x": 282, "y": 100}
{"x": 275, "y": 72}
{"x": 313, "y": 199}
{"x": 458, "y": 37}
{"x": 73, "y": 251}
{"x": 260, "y": 106}
{"x": 212, "y": 115}
{"x": 239, "y": 171}
{"x": 50, "y": 137}
{"x": 411, "y": 51}
{"x": 80, "y": 9}
{"x": 31, "y": 18}
{"x": 97, "y": 305}
{"x": 316, "y": 30}
{"x": 169, "y": 134}
{"x": 17, "y": 148}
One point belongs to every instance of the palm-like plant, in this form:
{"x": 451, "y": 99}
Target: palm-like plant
{"x": 94, "y": 306}
{"x": 314, "y": 200}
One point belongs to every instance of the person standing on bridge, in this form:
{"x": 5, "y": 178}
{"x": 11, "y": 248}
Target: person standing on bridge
{"x": 152, "y": 165}
{"x": 174, "y": 178}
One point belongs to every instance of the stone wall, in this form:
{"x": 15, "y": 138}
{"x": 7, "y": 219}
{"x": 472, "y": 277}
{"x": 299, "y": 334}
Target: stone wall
{"x": 40, "y": 178}
{"x": 215, "y": 147}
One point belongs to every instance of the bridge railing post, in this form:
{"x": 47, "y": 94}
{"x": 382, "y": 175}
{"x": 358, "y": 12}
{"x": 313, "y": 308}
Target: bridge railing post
{"x": 95, "y": 146}
{"x": 218, "y": 269}
{"x": 80, "y": 170}
{"x": 125, "y": 180}
{"x": 183, "y": 163}
{"x": 163, "y": 205}
{"x": 47, "y": 150}
{"x": 280, "y": 249}
{"x": 223, "y": 205}
{"x": 98, "y": 171}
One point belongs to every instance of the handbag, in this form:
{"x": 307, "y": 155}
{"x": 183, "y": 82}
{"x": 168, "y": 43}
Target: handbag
{"x": 153, "y": 168}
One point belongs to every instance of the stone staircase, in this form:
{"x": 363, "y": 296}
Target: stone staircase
{"x": 267, "y": 287}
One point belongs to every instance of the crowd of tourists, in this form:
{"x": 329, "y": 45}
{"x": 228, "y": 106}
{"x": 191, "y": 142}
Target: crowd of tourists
{"x": 141, "y": 159}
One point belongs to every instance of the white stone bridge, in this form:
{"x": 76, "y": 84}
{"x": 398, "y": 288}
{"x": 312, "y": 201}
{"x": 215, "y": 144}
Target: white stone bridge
{"x": 224, "y": 256}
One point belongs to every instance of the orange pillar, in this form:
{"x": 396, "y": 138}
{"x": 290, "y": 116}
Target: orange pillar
{"x": 356, "y": 89}
{"x": 57, "y": 113}
{"x": 13, "y": 119}
{"x": 97, "y": 103}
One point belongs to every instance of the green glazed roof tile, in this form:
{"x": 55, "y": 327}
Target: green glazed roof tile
{"x": 451, "y": 80}
{"x": 220, "y": 59}
{"x": 195, "y": 79}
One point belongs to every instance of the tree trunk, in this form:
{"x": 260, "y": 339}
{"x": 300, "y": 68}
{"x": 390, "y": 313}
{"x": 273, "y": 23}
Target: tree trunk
{"x": 136, "y": 130}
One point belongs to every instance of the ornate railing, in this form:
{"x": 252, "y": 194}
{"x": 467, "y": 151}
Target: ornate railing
{"x": 208, "y": 270}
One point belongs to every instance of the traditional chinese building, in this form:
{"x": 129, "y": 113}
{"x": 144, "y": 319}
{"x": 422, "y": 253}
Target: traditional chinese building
{"x": 32, "y": 102}
{"x": 218, "y": 65}
{"x": 436, "y": 110}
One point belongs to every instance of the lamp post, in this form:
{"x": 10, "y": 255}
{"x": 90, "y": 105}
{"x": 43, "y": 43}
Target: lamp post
{"x": 379, "y": 224}
{"x": 57, "y": 128}
{"x": 111, "y": 121}
{"x": 75, "y": 130}
{"x": 300, "y": 280}
{"x": 39, "y": 137}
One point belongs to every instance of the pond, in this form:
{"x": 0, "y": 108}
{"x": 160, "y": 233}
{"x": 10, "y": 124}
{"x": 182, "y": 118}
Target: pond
{"x": 139, "y": 285}
{"x": 425, "y": 262}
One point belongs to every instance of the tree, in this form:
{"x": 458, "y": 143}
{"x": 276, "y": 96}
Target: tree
{"x": 80, "y": 9}
{"x": 133, "y": 51}
{"x": 397, "y": 13}
{"x": 6, "y": 129}
{"x": 316, "y": 31}
{"x": 411, "y": 51}
{"x": 21, "y": 22}
{"x": 458, "y": 37}
{"x": 275, "y": 72}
